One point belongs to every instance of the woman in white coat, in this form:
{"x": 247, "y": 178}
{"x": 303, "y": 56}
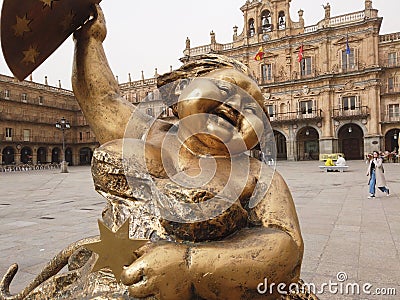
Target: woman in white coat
{"x": 376, "y": 175}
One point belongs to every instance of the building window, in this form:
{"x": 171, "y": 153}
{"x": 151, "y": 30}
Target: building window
{"x": 390, "y": 84}
{"x": 163, "y": 111}
{"x": 266, "y": 21}
{"x": 149, "y": 111}
{"x": 348, "y": 60}
{"x": 149, "y": 96}
{"x": 7, "y": 94}
{"x": 394, "y": 110}
{"x": 266, "y": 72}
{"x": 252, "y": 29}
{"x": 271, "y": 111}
{"x": 40, "y": 100}
{"x": 349, "y": 103}
{"x": 306, "y": 107}
{"x": 8, "y": 134}
{"x": 281, "y": 20}
{"x": 392, "y": 59}
{"x": 24, "y": 97}
{"x": 81, "y": 136}
{"x": 87, "y": 135}
{"x": 306, "y": 66}
{"x": 27, "y": 135}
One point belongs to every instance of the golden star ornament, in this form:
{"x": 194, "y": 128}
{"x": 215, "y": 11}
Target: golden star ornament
{"x": 30, "y": 55}
{"x": 48, "y": 3}
{"x": 115, "y": 249}
{"x": 22, "y": 25}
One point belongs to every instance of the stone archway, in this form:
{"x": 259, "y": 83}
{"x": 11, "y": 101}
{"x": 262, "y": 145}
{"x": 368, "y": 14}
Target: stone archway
{"x": 55, "y": 155}
{"x": 307, "y": 144}
{"x": 41, "y": 155}
{"x": 392, "y": 140}
{"x": 281, "y": 145}
{"x": 68, "y": 156}
{"x": 26, "y": 155}
{"x": 351, "y": 141}
{"x": 8, "y": 154}
{"x": 85, "y": 156}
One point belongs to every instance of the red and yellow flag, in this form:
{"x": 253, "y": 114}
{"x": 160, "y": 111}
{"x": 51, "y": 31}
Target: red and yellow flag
{"x": 300, "y": 58}
{"x": 259, "y": 54}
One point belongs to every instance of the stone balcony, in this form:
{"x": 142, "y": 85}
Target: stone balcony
{"x": 296, "y": 117}
{"x": 390, "y": 118}
{"x": 39, "y": 139}
{"x": 390, "y": 89}
{"x": 337, "y": 21}
{"x": 390, "y": 37}
{"x": 351, "y": 113}
{"x": 40, "y": 119}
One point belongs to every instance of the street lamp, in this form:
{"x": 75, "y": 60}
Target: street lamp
{"x": 63, "y": 125}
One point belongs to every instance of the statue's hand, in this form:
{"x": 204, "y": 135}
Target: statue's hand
{"x": 161, "y": 270}
{"x": 95, "y": 27}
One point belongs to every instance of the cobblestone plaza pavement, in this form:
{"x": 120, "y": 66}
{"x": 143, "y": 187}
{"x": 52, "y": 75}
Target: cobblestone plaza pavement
{"x": 41, "y": 212}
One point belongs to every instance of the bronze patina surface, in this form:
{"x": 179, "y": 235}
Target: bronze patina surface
{"x": 219, "y": 254}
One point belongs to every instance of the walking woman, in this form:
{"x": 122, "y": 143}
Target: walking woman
{"x": 376, "y": 176}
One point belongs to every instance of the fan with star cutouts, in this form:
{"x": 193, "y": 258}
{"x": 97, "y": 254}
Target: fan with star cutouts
{"x": 31, "y": 30}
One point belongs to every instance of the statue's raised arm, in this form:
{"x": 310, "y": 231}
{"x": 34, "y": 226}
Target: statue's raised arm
{"x": 96, "y": 88}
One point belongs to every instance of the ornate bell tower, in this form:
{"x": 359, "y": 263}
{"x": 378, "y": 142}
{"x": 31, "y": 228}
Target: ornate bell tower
{"x": 268, "y": 19}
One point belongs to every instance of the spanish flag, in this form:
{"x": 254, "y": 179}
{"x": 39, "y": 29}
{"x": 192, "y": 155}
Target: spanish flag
{"x": 260, "y": 54}
{"x": 300, "y": 57}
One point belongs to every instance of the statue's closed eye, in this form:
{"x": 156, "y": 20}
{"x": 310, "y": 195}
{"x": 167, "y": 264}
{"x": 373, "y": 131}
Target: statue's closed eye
{"x": 226, "y": 88}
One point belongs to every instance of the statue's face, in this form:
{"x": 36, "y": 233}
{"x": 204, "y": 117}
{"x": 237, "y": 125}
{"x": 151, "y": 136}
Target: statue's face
{"x": 222, "y": 109}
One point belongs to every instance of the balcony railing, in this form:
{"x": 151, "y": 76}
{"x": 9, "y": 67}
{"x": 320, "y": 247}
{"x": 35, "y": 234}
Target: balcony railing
{"x": 388, "y": 118}
{"x": 44, "y": 119}
{"x": 90, "y": 140}
{"x": 46, "y": 140}
{"x": 390, "y": 63}
{"x": 36, "y": 139}
{"x": 5, "y": 78}
{"x": 351, "y": 112}
{"x": 390, "y": 88}
{"x": 139, "y": 83}
{"x": 299, "y": 116}
{"x": 347, "y": 18}
{"x": 389, "y": 37}
{"x": 337, "y": 21}
{"x": 211, "y": 48}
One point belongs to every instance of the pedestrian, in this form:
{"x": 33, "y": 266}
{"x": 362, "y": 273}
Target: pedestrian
{"x": 340, "y": 161}
{"x": 329, "y": 162}
{"x": 376, "y": 175}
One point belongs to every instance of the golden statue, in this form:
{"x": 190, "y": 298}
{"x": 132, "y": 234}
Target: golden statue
{"x": 224, "y": 250}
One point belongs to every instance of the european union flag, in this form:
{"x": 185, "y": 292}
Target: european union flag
{"x": 348, "y": 50}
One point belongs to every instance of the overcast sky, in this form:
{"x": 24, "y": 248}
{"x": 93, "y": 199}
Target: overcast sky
{"x": 143, "y": 35}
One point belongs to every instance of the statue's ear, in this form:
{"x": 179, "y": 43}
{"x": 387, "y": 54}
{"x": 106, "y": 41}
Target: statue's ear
{"x": 31, "y": 30}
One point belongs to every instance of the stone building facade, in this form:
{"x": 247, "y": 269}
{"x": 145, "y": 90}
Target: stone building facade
{"x": 145, "y": 95}
{"x": 342, "y": 96}
{"x": 28, "y": 114}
